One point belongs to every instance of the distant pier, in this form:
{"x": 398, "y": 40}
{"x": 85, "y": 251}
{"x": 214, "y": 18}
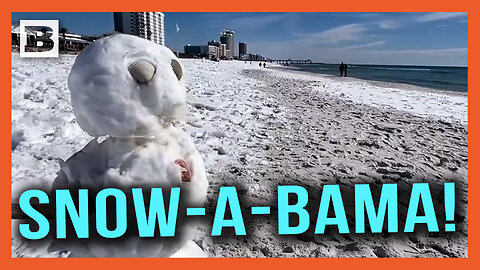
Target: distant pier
{"x": 284, "y": 61}
{"x": 292, "y": 61}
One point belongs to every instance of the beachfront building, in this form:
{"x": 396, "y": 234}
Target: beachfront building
{"x": 69, "y": 42}
{"x": 227, "y": 37}
{"x": 213, "y": 52}
{"x": 207, "y": 51}
{"x": 242, "y": 50}
{"x": 195, "y": 50}
{"x": 223, "y": 51}
{"x": 253, "y": 57}
{"x": 72, "y": 42}
{"x": 148, "y": 25}
{"x": 213, "y": 43}
{"x": 29, "y": 31}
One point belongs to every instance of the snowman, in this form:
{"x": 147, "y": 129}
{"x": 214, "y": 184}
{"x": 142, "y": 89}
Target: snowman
{"x": 129, "y": 94}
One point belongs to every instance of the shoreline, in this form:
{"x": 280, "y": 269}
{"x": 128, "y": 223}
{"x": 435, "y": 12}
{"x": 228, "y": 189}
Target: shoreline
{"x": 405, "y": 86}
{"x": 436, "y": 104}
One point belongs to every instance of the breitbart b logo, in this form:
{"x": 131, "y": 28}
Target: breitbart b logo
{"x": 38, "y": 44}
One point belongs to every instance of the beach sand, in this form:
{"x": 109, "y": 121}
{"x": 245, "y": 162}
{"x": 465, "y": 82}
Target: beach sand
{"x": 319, "y": 139}
{"x": 259, "y": 128}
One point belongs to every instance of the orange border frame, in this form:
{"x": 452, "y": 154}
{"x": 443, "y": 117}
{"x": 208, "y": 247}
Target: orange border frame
{"x": 241, "y": 6}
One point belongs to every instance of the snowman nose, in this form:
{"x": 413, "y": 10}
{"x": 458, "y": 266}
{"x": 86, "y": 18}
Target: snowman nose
{"x": 142, "y": 71}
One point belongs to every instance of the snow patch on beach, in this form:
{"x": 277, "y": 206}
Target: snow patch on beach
{"x": 450, "y": 107}
{"x": 225, "y": 109}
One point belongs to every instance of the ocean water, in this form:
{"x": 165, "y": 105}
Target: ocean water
{"x": 443, "y": 78}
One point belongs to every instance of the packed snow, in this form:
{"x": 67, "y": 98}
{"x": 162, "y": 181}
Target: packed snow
{"x": 108, "y": 101}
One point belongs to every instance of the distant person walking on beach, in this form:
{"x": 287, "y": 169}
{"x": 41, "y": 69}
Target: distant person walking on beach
{"x": 264, "y": 64}
{"x": 345, "y": 67}
{"x": 341, "y": 68}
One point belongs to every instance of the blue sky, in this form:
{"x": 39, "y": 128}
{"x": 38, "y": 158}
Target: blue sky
{"x": 381, "y": 38}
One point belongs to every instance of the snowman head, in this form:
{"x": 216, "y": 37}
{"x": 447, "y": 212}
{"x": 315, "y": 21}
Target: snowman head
{"x": 125, "y": 86}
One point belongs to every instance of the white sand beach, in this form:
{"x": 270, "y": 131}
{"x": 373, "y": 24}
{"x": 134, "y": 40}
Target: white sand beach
{"x": 258, "y": 128}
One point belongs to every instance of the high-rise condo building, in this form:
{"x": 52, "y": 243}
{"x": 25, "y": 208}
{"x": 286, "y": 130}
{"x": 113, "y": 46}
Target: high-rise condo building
{"x": 242, "y": 49}
{"x": 148, "y": 25}
{"x": 228, "y": 37}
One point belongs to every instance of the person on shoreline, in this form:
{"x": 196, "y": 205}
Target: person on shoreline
{"x": 345, "y": 67}
{"x": 341, "y": 67}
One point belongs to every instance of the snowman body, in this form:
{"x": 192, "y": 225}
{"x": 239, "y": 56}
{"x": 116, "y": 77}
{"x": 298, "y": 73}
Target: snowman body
{"x": 131, "y": 91}
{"x": 136, "y": 162}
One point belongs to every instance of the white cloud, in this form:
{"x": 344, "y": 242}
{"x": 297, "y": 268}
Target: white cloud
{"x": 256, "y": 21}
{"x": 388, "y": 24}
{"x": 421, "y": 18}
{"x": 435, "y": 16}
{"x": 246, "y": 22}
{"x": 363, "y": 46}
{"x": 427, "y": 52}
{"x": 349, "y": 32}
